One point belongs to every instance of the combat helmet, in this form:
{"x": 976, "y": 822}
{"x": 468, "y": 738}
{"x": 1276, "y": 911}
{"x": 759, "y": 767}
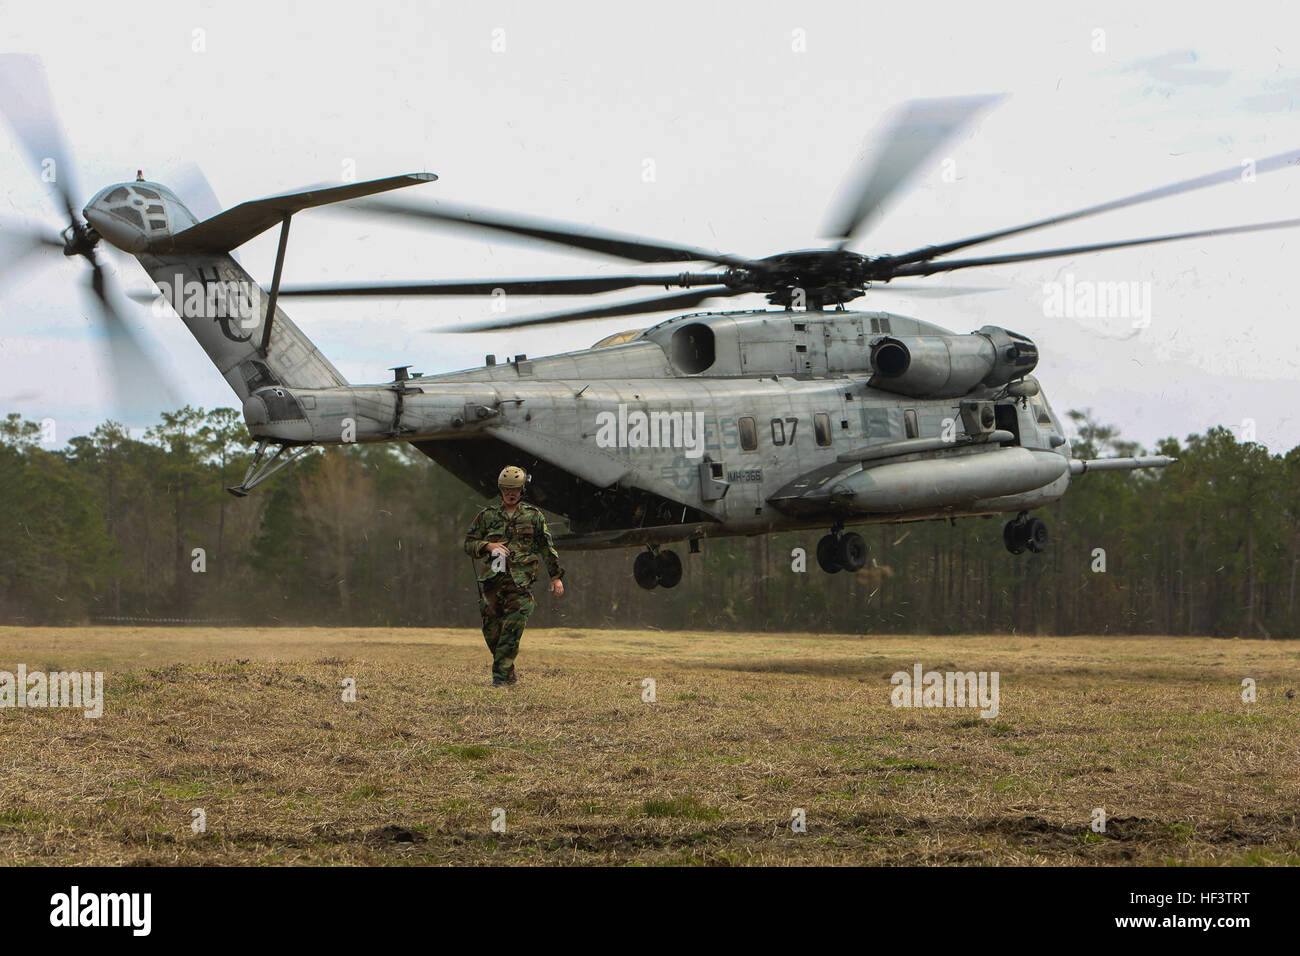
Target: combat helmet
{"x": 512, "y": 476}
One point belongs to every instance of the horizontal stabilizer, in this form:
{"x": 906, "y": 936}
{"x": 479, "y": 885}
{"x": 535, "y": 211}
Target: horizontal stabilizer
{"x": 235, "y": 226}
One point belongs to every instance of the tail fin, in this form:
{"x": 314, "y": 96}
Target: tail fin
{"x": 221, "y": 305}
{"x": 225, "y": 310}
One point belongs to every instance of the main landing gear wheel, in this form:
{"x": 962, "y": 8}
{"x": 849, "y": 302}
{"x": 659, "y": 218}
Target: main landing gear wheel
{"x": 1025, "y": 534}
{"x": 1012, "y": 536}
{"x": 841, "y": 552}
{"x": 828, "y": 554}
{"x": 852, "y": 551}
{"x": 653, "y": 569}
{"x": 669, "y": 568}
{"x": 645, "y": 572}
{"x": 1036, "y": 535}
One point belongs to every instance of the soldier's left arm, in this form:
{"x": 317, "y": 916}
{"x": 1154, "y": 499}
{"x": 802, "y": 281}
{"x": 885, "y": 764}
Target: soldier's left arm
{"x": 549, "y": 554}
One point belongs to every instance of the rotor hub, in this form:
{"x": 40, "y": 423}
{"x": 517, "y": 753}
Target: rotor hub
{"x": 80, "y": 239}
{"x": 812, "y": 278}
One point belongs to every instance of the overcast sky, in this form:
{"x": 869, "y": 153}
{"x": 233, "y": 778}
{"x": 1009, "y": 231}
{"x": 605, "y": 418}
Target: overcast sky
{"x": 749, "y": 114}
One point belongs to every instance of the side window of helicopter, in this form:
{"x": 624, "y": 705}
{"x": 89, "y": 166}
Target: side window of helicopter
{"x": 748, "y": 434}
{"x": 822, "y": 428}
{"x": 910, "y": 424}
{"x": 1040, "y": 414}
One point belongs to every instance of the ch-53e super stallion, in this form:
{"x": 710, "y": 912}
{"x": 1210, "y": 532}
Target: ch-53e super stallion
{"x": 808, "y": 416}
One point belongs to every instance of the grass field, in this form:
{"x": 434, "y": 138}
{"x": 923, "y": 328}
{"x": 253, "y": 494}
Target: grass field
{"x": 249, "y": 725}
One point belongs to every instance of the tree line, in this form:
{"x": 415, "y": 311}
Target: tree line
{"x": 116, "y": 529}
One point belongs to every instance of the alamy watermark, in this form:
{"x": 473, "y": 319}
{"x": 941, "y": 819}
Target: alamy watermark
{"x": 84, "y": 689}
{"x": 637, "y": 429}
{"x": 219, "y": 299}
{"x": 1086, "y": 299}
{"x": 75, "y": 908}
{"x": 947, "y": 689}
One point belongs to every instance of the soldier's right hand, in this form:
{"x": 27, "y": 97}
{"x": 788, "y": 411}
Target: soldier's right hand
{"x": 496, "y": 547}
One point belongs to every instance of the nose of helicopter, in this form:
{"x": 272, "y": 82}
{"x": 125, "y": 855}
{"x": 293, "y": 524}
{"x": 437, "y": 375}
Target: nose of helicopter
{"x": 132, "y": 215}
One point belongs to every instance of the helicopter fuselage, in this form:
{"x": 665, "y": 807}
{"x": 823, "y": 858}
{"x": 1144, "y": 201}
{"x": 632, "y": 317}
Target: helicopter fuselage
{"x": 706, "y": 425}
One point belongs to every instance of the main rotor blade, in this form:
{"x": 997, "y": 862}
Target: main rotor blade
{"x": 582, "y": 285}
{"x": 580, "y": 237}
{"x": 932, "y": 292}
{"x": 948, "y": 265}
{"x": 913, "y": 133}
{"x": 1280, "y": 161}
{"x": 26, "y": 103}
{"x": 663, "y": 303}
{"x": 193, "y": 189}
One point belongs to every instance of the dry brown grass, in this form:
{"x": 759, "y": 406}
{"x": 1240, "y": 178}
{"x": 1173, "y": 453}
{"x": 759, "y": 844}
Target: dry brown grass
{"x": 249, "y": 725}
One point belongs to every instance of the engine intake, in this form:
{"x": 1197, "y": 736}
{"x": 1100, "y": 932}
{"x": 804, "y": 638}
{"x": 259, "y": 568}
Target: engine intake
{"x": 949, "y": 366}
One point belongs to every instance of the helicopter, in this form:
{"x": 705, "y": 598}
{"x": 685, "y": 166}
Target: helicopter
{"x": 804, "y": 416}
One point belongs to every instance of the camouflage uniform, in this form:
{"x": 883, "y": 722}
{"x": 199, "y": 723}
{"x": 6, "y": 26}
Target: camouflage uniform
{"x": 505, "y": 596}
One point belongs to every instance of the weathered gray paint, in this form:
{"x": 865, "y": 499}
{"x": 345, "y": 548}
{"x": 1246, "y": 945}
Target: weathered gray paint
{"x": 779, "y": 368}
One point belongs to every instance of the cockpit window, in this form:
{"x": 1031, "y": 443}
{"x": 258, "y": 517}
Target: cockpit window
{"x": 126, "y": 212}
{"x": 117, "y": 195}
{"x": 146, "y": 193}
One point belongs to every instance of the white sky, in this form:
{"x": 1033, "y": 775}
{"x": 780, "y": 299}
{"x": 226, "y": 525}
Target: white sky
{"x": 749, "y": 140}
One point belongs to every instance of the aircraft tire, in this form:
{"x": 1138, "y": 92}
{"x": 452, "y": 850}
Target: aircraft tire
{"x": 1013, "y": 536}
{"x": 645, "y": 570}
{"x": 851, "y": 551}
{"x": 669, "y": 569}
{"x": 1036, "y": 535}
{"x": 828, "y": 557}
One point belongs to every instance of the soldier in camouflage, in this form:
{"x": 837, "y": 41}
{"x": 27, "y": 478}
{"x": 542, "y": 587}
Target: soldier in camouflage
{"x": 509, "y": 541}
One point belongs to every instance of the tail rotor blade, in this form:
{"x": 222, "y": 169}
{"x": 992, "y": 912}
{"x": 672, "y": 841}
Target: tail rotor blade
{"x": 17, "y": 243}
{"x": 26, "y": 103}
{"x": 140, "y": 386}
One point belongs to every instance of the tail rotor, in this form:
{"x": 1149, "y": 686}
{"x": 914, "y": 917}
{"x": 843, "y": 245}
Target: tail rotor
{"x": 26, "y": 104}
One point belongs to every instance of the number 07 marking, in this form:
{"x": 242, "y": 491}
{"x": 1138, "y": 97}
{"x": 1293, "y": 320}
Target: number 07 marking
{"x": 779, "y": 436}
